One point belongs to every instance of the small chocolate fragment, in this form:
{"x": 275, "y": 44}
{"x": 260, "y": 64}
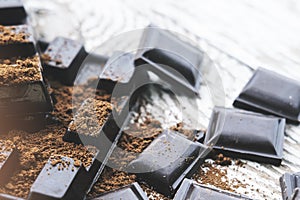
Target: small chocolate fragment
{"x": 64, "y": 178}
{"x": 12, "y": 12}
{"x": 9, "y": 161}
{"x": 269, "y": 92}
{"x": 191, "y": 190}
{"x": 167, "y": 161}
{"x": 289, "y": 183}
{"x": 173, "y": 60}
{"x": 22, "y": 88}
{"x": 16, "y": 41}
{"x": 94, "y": 125}
{"x": 247, "y": 135}
{"x": 130, "y": 192}
{"x": 63, "y": 58}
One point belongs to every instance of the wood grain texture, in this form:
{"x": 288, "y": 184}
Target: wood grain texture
{"x": 238, "y": 35}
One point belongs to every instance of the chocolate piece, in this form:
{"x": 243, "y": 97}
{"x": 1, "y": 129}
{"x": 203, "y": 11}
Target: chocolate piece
{"x": 167, "y": 161}
{"x": 191, "y": 190}
{"x": 9, "y": 161}
{"x": 131, "y": 192}
{"x": 246, "y": 135}
{"x": 22, "y": 88}
{"x": 12, "y": 12}
{"x": 63, "y": 58}
{"x": 16, "y": 41}
{"x": 289, "y": 183}
{"x": 269, "y": 92}
{"x": 95, "y": 125}
{"x": 173, "y": 60}
{"x": 64, "y": 178}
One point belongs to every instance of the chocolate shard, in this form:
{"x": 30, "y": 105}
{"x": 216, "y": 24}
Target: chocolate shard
{"x": 289, "y": 183}
{"x": 246, "y": 135}
{"x": 173, "y": 60}
{"x": 130, "y": 192}
{"x": 262, "y": 94}
{"x": 63, "y": 58}
{"x": 9, "y": 161}
{"x": 191, "y": 190}
{"x": 22, "y": 89}
{"x": 64, "y": 178}
{"x": 16, "y": 41}
{"x": 9, "y": 197}
{"x": 167, "y": 161}
{"x": 12, "y": 12}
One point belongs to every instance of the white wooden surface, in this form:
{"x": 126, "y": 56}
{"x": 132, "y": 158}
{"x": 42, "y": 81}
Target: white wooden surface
{"x": 239, "y": 35}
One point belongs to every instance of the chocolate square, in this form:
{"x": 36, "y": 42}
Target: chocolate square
{"x": 246, "y": 135}
{"x": 269, "y": 92}
{"x": 290, "y": 184}
{"x": 167, "y": 161}
{"x": 173, "y": 60}
{"x": 63, "y": 58}
{"x": 130, "y": 192}
{"x": 16, "y": 41}
{"x": 191, "y": 190}
{"x": 65, "y": 179}
{"x": 12, "y": 12}
{"x": 22, "y": 88}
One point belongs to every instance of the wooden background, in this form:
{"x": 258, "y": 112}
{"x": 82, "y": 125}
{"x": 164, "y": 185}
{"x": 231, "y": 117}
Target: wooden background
{"x": 238, "y": 35}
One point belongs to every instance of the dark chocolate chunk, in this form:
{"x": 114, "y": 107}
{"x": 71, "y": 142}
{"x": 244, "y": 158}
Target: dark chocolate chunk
{"x": 131, "y": 192}
{"x": 269, "y": 92}
{"x": 191, "y": 190}
{"x": 246, "y": 135}
{"x": 64, "y": 178}
{"x": 22, "y": 88}
{"x": 289, "y": 183}
{"x": 9, "y": 161}
{"x": 167, "y": 161}
{"x": 16, "y": 41}
{"x": 12, "y": 12}
{"x": 173, "y": 60}
{"x": 63, "y": 59}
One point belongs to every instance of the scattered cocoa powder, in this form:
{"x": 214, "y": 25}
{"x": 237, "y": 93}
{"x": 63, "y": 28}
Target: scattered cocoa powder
{"x": 20, "y": 70}
{"x": 213, "y": 175}
{"x": 35, "y": 150}
{"x": 90, "y": 117}
{"x": 13, "y": 34}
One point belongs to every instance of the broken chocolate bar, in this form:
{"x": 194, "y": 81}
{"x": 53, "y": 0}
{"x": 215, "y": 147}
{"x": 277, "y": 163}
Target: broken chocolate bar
{"x": 167, "y": 161}
{"x": 173, "y": 60}
{"x": 9, "y": 161}
{"x": 63, "y": 58}
{"x": 22, "y": 88}
{"x": 191, "y": 190}
{"x": 289, "y": 183}
{"x": 12, "y": 12}
{"x": 64, "y": 178}
{"x": 16, "y": 41}
{"x": 246, "y": 135}
{"x": 131, "y": 192}
{"x": 269, "y": 92}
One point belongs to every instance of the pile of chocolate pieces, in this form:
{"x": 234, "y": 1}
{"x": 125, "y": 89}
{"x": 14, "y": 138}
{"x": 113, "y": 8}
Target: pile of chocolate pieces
{"x": 171, "y": 159}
